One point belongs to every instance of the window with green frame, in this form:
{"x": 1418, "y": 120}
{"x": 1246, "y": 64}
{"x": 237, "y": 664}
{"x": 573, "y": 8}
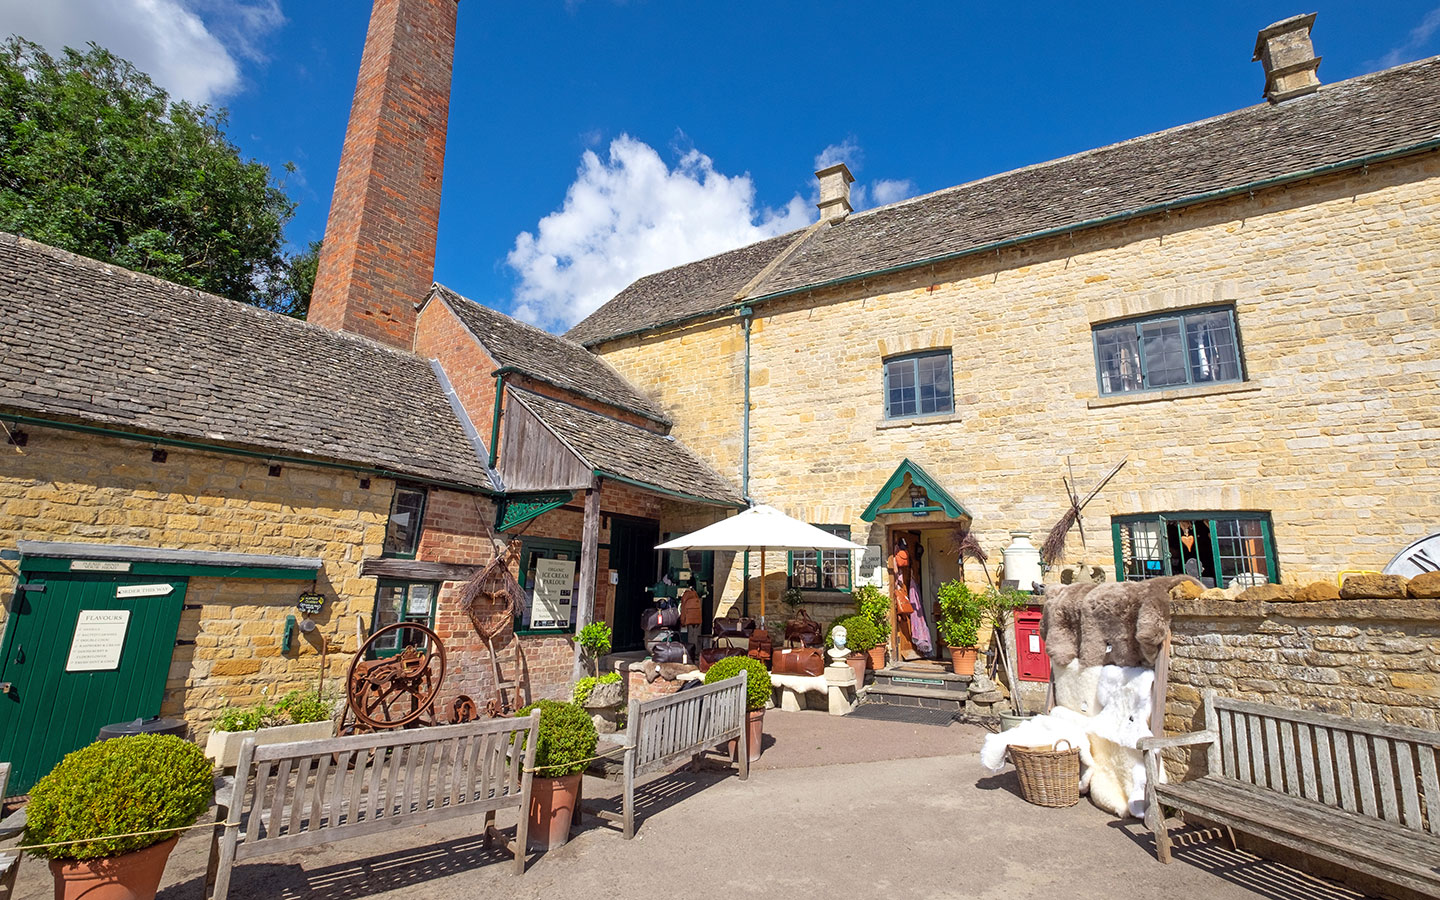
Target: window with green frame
{"x": 1219, "y": 548}
{"x": 402, "y": 601}
{"x": 407, "y": 515}
{"x": 1155, "y": 353}
{"x": 919, "y": 385}
{"x": 829, "y": 570}
{"x": 549, "y": 573}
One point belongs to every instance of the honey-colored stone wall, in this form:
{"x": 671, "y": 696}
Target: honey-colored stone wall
{"x": 1335, "y": 430}
{"x": 66, "y": 486}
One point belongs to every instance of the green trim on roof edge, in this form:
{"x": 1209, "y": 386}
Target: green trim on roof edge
{"x": 937, "y": 494}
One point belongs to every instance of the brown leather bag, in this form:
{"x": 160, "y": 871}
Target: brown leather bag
{"x": 802, "y": 661}
{"x": 803, "y": 630}
{"x": 761, "y": 645}
{"x": 736, "y": 627}
{"x": 711, "y": 655}
{"x": 689, "y": 608}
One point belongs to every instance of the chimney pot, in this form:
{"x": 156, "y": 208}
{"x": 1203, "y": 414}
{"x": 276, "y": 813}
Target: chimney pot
{"x": 835, "y": 184}
{"x": 1287, "y": 54}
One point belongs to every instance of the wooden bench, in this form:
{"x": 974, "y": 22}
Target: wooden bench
{"x": 680, "y": 727}
{"x": 1362, "y": 794}
{"x": 9, "y": 859}
{"x": 289, "y": 796}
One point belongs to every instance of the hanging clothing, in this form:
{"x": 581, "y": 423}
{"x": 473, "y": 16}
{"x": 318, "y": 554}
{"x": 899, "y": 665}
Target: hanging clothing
{"x": 919, "y": 630}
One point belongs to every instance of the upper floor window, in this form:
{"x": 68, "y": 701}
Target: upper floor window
{"x": 827, "y": 570}
{"x": 1158, "y": 352}
{"x": 402, "y": 534}
{"x": 918, "y": 385}
{"x": 1219, "y": 548}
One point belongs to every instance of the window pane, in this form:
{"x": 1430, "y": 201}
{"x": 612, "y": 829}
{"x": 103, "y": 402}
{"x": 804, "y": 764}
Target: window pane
{"x": 1214, "y": 355}
{"x": 1242, "y": 551}
{"x": 388, "y": 605}
{"x": 1164, "y": 355}
{"x": 900, "y": 388}
{"x": 1140, "y": 550}
{"x": 804, "y": 573}
{"x": 1117, "y": 352}
{"x": 935, "y": 391}
{"x": 403, "y": 531}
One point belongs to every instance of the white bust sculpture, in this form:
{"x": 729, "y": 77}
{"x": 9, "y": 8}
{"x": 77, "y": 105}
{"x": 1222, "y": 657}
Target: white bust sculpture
{"x": 837, "y": 653}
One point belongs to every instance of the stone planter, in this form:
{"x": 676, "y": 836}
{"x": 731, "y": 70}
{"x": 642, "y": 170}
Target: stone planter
{"x": 130, "y": 876}
{"x": 604, "y": 705}
{"x": 224, "y": 746}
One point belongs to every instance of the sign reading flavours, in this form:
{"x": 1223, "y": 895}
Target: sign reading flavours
{"x": 310, "y": 603}
{"x": 99, "y": 639}
{"x": 554, "y": 593}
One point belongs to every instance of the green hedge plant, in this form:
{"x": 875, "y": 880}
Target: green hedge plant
{"x": 295, "y": 708}
{"x": 861, "y": 635}
{"x": 148, "y": 782}
{"x": 757, "y": 693}
{"x": 961, "y": 612}
{"x": 567, "y": 738}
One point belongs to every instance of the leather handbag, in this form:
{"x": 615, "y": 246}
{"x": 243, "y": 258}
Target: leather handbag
{"x": 803, "y": 630}
{"x": 660, "y": 617}
{"x": 734, "y": 627}
{"x": 711, "y": 655}
{"x": 670, "y": 652}
{"x": 761, "y": 645}
{"x": 802, "y": 661}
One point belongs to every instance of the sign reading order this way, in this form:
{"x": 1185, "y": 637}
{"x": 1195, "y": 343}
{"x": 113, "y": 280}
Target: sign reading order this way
{"x": 99, "y": 638}
{"x": 144, "y": 590}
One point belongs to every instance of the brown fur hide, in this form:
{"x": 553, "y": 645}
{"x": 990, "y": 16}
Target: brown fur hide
{"x": 1118, "y": 623}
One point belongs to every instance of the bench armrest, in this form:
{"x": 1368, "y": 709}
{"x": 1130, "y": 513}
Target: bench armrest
{"x": 224, "y": 788}
{"x": 1179, "y": 740}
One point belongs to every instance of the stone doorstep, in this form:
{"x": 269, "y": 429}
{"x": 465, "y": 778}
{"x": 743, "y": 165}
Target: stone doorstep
{"x": 921, "y": 697}
{"x": 948, "y": 682}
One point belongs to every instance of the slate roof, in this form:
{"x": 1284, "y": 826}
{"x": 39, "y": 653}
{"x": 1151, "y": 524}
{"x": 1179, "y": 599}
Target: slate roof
{"x": 547, "y": 357}
{"x": 1383, "y": 113}
{"x": 93, "y": 343}
{"x": 618, "y": 448}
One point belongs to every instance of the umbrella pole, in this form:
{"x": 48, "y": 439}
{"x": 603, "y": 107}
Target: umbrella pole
{"x": 762, "y": 585}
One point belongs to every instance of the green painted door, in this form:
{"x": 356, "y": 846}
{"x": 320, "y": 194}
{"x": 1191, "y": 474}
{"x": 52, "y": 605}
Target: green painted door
{"x": 85, "y": 651}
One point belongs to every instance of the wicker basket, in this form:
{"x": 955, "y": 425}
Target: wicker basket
{"x": 1049, "y": 776}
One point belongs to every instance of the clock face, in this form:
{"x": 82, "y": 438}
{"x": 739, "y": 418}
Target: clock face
{"x": 1416, "y": 559}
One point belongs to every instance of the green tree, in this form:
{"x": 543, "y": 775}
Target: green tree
{"x": 96, "y": 159}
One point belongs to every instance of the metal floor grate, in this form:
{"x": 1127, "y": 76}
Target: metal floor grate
{"x": 909, "y": 715}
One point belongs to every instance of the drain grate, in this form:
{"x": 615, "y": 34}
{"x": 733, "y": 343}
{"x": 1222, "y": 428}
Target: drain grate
{"x": 909, "y": 715}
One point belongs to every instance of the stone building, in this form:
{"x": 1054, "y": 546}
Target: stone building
{"x": 179, "y": 468}
{"x": 1243, "y": 309}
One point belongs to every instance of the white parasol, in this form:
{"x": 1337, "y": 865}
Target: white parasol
{"x": 760, "y": 528}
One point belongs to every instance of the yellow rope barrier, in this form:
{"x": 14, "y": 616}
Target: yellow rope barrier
{"x": 115, "y": 837}
{"x": 609, "y": 754}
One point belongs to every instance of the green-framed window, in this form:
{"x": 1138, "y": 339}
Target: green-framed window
{"x": 407, "y": 517}
{"x": 550, "y": 575}
{"x": 402, "y": 601}
{"x": 919, "y": 384}
{"x": 1155, "y": 353}
{"x": 825, "y": 570}
{"x": 1219, "y": 548}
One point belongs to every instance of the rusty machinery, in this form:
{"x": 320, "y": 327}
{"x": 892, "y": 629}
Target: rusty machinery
{"x": 398, "y": 691}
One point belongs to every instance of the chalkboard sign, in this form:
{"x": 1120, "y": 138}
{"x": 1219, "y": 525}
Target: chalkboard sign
{"x": 311, "y": 603}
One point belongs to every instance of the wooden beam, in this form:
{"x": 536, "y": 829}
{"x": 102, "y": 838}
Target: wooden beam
{"x": 416, "y": 570}
{"x": 589, "y": 561}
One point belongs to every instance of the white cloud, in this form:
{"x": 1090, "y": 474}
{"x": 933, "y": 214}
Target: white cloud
{"x": 891, "y": 190}
{"x": 862, "y": 195}
{"x": 629, "y": 215}
{"x": 847, "y": 151}
{"x": 1415, "y": 41}
{"x": 188, "y": 48}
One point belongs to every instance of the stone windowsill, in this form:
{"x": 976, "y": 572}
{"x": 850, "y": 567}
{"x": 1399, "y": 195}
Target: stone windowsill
{"x": 946, "y": 419}
{"x": 1208, "y": 390}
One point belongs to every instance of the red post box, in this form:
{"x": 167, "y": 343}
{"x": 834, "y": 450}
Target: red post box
{"x": 1033, "y": 663}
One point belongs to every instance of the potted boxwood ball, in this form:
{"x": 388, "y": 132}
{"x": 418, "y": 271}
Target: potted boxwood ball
{"x": 757, "y": 694}
{"x": 861, "y": 637}
{"x": 123, "y": 786}
{"x": 567, "y": 742}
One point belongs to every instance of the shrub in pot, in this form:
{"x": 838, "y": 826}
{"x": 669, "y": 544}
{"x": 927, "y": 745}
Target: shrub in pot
{"x": 960, "y": 612}
{"x": 297, "y": 716}
{"x": 872, "y": 603}
{"x": 567, "y": 743}
{"x": 594, "y": 639}
{"x": 97, "y": 794}
{"x": 861, "y": 636}
{"x": 757, "y": 694}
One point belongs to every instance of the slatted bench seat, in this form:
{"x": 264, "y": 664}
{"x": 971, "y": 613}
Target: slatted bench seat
{"x": 9, "y": 827}
{"x": 302, "y": 794}
{"x": 1358, "y": 793}
{"x": 676, "y": 728}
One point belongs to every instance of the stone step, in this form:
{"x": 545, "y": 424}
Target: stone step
{"x": 927, "y": 698}
{"x": 939, "y": 681}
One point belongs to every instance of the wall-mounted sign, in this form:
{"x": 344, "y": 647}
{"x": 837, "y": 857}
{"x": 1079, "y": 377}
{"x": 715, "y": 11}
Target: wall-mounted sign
{"x": 98, "y": 565}
{"x": 144, "y": 590}
{"x": 310, "y": 603}
{"x": 554, "y": 593}
{"x": 418, "y": 603}
{"x": 99, "y": 639}
{"x": 869, "y": 565}
{"x": 1418, "y": 558}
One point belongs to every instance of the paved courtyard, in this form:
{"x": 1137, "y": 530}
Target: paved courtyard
{"x": 835, "y": 808}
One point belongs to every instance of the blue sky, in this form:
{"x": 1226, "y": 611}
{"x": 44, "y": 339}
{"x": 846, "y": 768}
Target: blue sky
{"x": 593, "y": 141}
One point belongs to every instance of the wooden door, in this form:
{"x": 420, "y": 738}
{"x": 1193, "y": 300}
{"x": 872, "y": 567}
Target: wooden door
{"x": 636, "y": 563}
{"x": 81, "y": 652}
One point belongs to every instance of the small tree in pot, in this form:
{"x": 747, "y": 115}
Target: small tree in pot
{"x": 960, "y": 612}
{"x": 757, "y": 693}
{"x": 566, "y": 744}
{"x": 114, "y": 808}
{"x": 874, "y": 606}
{"x": 862, "y": 638}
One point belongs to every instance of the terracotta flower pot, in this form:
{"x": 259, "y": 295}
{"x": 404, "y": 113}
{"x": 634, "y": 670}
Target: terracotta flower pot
{"x": 130, "y": 876}
{"x": 962, "y": 660}
{"x": 552, "y": 807}
{"x": 877, "y": 658}
{"x": 857, "y": 662}
{"x": 755, "y": 725}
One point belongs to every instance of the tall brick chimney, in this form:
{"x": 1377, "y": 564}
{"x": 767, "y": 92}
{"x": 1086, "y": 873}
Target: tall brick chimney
{"x": 378, "y": 260}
